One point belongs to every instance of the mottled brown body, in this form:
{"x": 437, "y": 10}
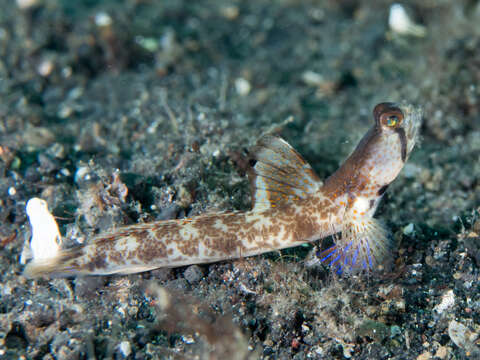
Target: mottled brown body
{"x": 206, "y": 238}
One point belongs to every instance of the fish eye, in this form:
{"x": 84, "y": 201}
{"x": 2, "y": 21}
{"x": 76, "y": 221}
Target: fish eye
{"x": 388, "y": 115}
{"x": 391, "y": 119}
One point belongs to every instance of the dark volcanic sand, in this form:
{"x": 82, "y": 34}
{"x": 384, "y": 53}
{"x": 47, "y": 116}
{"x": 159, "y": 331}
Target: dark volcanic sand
{"x": 170, "y": 93}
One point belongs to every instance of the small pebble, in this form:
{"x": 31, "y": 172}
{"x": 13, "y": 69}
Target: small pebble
{"x": 312, "y": 78}
{"x": 400, "y": 22}
{"x": 45, "y": 68}
{"x": 65, "y": 111}
{"x": 86, "y": 287}
{"x": 442, "y": 352}
{"x": 376, "y": 330}
{"x": 242, "y": 86}
{"x": 26, "y": 4}
{"x": 102, "y": 19}
{"x": 125, "y": 349}
{"x": 425, "y": 356}
{"x": 395, "y": 331}
{"x": 448, "y": 300}
{"x": 149, "y": 44}
{"x": 193, "y": 274}
{"x": 230, "y": 12}
{"x": 188, "y": 339}
{"x": 65, "y": 172}
{"x": 82, "y": 174}
{"x": 400, "y": 305}
{"x": 409, "y": 229}
{"x": 47, "y": 164}
{"x": 476, "y": 226}
{"x": 185, "y": 197}
{"x": 38, "y": 137}
{"x": 429, "y": 260}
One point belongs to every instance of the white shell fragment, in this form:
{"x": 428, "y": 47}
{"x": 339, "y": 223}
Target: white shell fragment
{"x": 26, "y": 4}
{"x": 312, "y": 78}
{"x": 46, "y": 239}
{"x": 102, "y": 19}
{"x": 400, "y": 22}
{"x": 125, "y": 349}
{"x": 242, "y": 86}
{"x": 448, "y": 300}
{"x": 463, "y": 338}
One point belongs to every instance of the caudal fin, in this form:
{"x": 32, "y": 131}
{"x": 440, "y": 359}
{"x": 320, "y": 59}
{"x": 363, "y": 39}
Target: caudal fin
{"x": 61, "y": 265}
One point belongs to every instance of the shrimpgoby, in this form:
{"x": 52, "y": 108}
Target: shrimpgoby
{"x": 290, "y": 206}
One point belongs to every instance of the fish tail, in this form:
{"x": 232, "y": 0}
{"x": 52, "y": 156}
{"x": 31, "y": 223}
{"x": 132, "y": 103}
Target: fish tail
{"x": 62, "y": 264}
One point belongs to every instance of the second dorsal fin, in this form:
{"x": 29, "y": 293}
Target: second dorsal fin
{"x": 279, "y": 174}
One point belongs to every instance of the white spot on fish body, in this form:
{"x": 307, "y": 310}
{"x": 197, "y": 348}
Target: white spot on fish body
{"x": 361, "y": 204}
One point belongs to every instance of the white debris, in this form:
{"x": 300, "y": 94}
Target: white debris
{"x": 400, "y": 22}
{"x": 242, "y": 86}
{"x": 188, "y": 339}
{"x": 409, "y": 229}
{"x": 148, "y": 43}
{"x": 230, "y": 12}
{"x": 82, "y": 174}
{"x": 26, "y": 4}
{"x": 12, "y": 191}
{"x": 45, "y": 67}
{"x": 125, "y": 349}
{"x": 448, "y": 300}
{"x": 312, "y": 78}
{"x": 46, "y": 239}
{"x": 102, "y": 19}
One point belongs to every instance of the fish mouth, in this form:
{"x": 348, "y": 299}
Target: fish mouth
{"x": 412, "y": 121}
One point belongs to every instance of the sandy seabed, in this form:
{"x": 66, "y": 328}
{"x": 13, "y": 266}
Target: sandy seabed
{"x": 119, "y": 112}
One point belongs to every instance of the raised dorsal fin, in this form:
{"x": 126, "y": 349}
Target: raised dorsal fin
{"x": 279, "y": 174}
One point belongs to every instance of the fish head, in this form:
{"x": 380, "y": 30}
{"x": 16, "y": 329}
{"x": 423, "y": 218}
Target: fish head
{"x": 399, "y": 125}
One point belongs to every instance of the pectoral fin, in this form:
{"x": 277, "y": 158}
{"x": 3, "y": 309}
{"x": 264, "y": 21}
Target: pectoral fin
{"x": 364, "y": 244}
